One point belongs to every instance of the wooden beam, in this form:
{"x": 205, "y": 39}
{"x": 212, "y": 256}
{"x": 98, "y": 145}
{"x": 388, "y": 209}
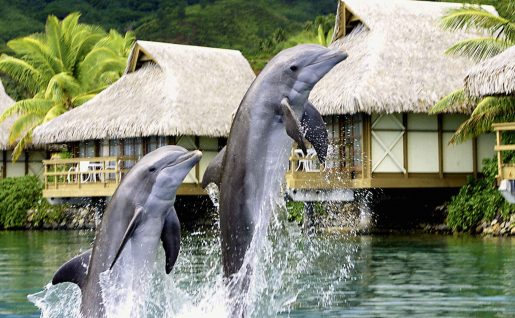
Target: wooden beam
{"x": 440, "y": 144}
{"x": 405, "y": 143}
{"x": 499, "y": 155}
{"x": 26, "y": 161}
{"x": 367, "y": 146}
{"x": 474, "y": 157}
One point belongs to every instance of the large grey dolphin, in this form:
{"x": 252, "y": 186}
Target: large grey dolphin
{"x": 141, "y": 212}
{"x": 250, "y": 169}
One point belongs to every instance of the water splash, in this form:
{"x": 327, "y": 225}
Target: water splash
{"x": 280, "y": 255}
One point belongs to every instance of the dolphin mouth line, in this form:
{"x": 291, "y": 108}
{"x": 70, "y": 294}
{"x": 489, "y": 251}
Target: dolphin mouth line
{"x": 184, "y": 158}
{"x": 334, "y": 56}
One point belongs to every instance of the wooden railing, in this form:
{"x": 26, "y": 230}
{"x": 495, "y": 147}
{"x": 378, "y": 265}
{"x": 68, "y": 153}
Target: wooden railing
{"x": 505, "y": 170}
{"x": 307, "y": 173}
{"x": 93, "y": 176}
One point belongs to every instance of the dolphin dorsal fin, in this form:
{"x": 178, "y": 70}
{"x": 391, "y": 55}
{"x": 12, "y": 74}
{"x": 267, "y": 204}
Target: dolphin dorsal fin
{"x": 171, "y": 238}
{"x": 292, "y": 125}
{"x": 128, "y": 233}
{"x": 73, "y": 271}
{"x": 315, "y": 130}
{"x": 213, "y": 173}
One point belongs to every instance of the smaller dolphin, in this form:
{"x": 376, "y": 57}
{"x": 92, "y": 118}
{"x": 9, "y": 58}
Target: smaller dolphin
{"x": 141, "y": 211}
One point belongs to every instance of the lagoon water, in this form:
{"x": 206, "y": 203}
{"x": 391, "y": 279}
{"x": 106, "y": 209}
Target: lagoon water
{"x": 325, "y": 276}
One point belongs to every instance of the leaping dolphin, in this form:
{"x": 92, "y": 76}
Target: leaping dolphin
{"x": 250, "y": 169}
{"x": 141, "y": 212}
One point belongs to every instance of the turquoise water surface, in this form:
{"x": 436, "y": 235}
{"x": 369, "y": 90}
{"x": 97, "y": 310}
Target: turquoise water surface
{"x": 363, "y": 276}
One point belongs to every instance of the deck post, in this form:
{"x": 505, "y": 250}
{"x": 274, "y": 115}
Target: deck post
{"x": 499, "y": 155}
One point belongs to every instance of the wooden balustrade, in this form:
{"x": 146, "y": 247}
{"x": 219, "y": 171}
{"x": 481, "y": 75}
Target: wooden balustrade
{"x": 505, "y": 170}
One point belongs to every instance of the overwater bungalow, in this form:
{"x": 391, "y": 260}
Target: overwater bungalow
{"x": 29, "y": 162}
{"x": 496, "y": 77}
{"x": 169, "y": 94}
{"x": 376, "y": 103}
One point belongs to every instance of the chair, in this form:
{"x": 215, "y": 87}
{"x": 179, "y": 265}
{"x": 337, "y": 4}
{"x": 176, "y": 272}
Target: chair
{"x": 83, "y": 169}
{"x": 300, "y": 156}
{"x": 311, "y": 160}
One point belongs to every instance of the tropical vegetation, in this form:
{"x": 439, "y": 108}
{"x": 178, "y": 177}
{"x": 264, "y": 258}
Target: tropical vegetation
{"x": 500, "y": 35}
{"x": 60, "y": 69}
{"x": 17, "y": 196}
{"x": 479, "y": 200}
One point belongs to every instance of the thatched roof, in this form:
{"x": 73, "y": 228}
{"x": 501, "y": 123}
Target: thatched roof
{"x": 5, "y": 126}
{"x": 396, "y": 58}
{"x": 167, "y": 90}
{"x": 495, "y": 76}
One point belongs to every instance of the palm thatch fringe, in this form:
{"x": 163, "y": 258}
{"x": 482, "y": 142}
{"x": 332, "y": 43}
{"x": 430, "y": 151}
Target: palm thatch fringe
{"x": 495, "y": 76}
{"x": 5, "y": 126}
{"x": 397, "y": 60}
{"x": 178, "y": 90}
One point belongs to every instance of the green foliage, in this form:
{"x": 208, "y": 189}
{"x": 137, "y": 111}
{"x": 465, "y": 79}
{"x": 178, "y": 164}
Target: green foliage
{"x": 17, "y": 195}
{"x": 295, "y": 211}
{"x": 478, "y": 200}
{"x": 61, "y": 69}
{"x": 45, "y": 213}
{"x": 500, "y": 33}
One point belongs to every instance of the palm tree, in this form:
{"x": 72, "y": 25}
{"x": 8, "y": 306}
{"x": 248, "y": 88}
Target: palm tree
{"x": 61, "y": 68}
{"x": 500, "y": 35}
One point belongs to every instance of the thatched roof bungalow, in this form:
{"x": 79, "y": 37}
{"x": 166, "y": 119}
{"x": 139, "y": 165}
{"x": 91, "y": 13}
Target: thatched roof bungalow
{"x": 169, "y": 94}
{"x": 167, "y": 90}
{"x": 376, "y": 101}
{"x": 29, "y": 162}
{"x": 494, "y": 76}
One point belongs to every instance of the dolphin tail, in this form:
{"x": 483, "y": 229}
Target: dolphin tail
{"x": 213, "y": 173}
{"x": 73, "y": 271}
{"x": 292, "y": 125}
{"x": 128, "y": 233}
{"x": 316, "y": 132}
{"x": 171, "y": 238}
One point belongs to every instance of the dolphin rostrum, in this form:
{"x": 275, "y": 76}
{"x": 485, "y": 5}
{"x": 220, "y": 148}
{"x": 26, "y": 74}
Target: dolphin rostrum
{"x": 250, "y": 169}
{"x": 141, "y": 212}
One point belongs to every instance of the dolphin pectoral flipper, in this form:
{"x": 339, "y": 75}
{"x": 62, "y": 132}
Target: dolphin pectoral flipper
{"x": 128, "y": 233}
{"x": 315, "y": 130}
{"x": 292, "y": 125}
{"x": 213, "y": 173}
{"x": 73, "y": 271}
{"x": 171, "y": 238}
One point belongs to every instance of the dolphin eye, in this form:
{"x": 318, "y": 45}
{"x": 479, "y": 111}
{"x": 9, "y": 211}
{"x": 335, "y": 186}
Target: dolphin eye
{"x": 152, "y": 169}
{"x": 293, "y": 68}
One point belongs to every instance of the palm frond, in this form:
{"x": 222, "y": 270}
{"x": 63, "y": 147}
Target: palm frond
{"x": 455, "y": 100}
{"x": 56, "y": 110}
{"x": 478, "y": 49}
{"x": 23, "y": 124}
{"x": 22, "y": 72}
{"x": 54, "y": 37}
{"x": 478, "y": 18}
{"x": 22, "y": 144}
{"x": 62, "y": 83}
{"x": 489, "y": 110}
{"x": 24, "y": 106}
{"x": 36, "y": 52}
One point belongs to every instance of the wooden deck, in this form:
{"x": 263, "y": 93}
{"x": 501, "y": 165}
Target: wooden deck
{"x": 360, "y": 178}
{"x": 506, "y": 171}
{"x": 92, "y": 177}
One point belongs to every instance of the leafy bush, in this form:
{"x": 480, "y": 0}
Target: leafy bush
{"x": 17, "y": 196}
{"x": 478, "y": 200}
